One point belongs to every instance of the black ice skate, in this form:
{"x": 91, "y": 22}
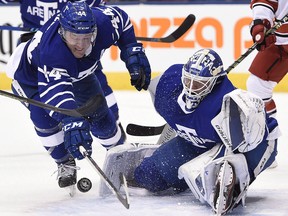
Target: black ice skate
{"x": 67, "y": 175}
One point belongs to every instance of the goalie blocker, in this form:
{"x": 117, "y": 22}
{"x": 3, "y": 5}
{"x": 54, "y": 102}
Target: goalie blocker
{"x": 221, "y": 176}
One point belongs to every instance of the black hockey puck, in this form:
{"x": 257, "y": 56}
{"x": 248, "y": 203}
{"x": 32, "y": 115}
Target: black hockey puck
{"x": 84, "y": 185}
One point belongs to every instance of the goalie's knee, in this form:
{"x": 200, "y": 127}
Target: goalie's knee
{"x": 147, "y": 175}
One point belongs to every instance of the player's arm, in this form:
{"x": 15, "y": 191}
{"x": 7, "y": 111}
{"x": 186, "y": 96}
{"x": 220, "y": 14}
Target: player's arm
{"x": 132, "y": 52}
{"x": 263, "y": 16}
{"x": 56, "y": 88}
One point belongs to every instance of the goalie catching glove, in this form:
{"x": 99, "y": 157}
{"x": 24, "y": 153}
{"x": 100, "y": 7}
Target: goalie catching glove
{"x": 137, "y": 65}
{"x": 258, "y": 29}
{"x": 77, "y": 133}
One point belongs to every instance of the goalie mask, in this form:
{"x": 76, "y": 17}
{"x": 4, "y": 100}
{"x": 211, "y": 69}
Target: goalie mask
{"x": 199, "y": 76}
{"x": 77, "y": 18}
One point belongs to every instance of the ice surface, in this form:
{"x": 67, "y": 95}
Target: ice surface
{"x": 27, "y": 186}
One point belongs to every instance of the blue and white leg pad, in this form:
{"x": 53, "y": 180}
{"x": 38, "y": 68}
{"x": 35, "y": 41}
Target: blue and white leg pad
{"x": 124, "y": 159}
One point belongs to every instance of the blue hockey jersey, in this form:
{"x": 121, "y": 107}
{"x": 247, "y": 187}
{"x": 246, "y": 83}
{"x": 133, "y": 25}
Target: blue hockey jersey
{"x": 195, "y": 126}
{"x": 45, "y": 62}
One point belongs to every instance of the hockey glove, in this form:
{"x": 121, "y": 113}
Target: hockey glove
{"x": 258, "y": 29}
{"x": 77, "y": 133}
{"x": 137, "y": 65}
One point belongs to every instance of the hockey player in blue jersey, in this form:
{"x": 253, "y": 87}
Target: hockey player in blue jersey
{"x": 224, "y": 139}
{"x": 35, "y": 13}
{"x": 57, "y": 67}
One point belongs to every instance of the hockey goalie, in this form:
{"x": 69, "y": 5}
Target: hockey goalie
{"x": 224, "y": 138}
{"x": 222, "y": 175}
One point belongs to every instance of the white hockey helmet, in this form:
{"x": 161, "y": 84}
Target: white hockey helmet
{"x": 199, "y": 76}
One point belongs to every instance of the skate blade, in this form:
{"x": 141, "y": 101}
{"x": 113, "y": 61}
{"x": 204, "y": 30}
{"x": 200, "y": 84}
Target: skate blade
{"x": 71, "y": 190}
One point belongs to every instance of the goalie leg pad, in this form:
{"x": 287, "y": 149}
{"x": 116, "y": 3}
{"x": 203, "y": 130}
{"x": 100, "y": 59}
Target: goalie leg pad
{"x": 224, "y": 189}
{"x": 234, "y": 167}
{"x": 202, "y": 176}
{"x": 242, "y": 180}
{"x": 124, "y": 159}
{"x": 191, "y": 170}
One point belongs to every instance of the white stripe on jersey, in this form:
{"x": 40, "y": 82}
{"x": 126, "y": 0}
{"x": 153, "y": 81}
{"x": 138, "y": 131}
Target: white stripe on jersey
{"x": 54, "y": 86}
{"x": 60, "y": 103}
{"x": 59, "y": 94}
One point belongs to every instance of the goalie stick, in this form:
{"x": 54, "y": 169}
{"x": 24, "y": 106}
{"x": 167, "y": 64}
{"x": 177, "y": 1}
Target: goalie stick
{"x": 140, "y": 130}
{"x": 181, "y": 30}
{"x": 123, "y": 199}
{"x": 165, "y": 130}
{"x": 167, "y": 134}
{"x": 84, "y": 110}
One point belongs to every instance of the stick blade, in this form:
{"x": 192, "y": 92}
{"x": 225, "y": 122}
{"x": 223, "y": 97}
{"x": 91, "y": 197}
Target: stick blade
{"x": 180, "y": 31}
{"x": 125, "y": 200}
{"x": 139, "y": 130}
{"x": 92, "y": 104}
{"x": 187, "y": 23}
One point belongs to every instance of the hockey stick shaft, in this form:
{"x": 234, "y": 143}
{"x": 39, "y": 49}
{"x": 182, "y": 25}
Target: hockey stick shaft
{"x": 84, "y": 110}
{"x": 167, "y": 134}
{"x": 253, "y": 47}
{"x": 182, "y": 29}
{"x": 109, "y": 184}
{"x": 16, "y": 28}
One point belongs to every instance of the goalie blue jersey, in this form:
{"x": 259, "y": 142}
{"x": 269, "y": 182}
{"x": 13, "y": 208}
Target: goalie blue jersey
{"x": 35, "y": 13}
{"x": 194, "y": 126}
{"x": 48, "y": 65}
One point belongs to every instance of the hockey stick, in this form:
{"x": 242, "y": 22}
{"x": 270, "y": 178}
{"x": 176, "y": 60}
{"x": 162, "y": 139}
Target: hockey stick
{"x": 181, "y": 30}
{"x": 140, "y": 130}
{"x": 124, "y": 200}
{"x": 187, "y": 23}
{"x": 165, "y": 130}
{"x": 84, "y": 110}
{"x": 16, "y": 28}
{"x": 253, "y": 47}
{"x": 167, "y": 134}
